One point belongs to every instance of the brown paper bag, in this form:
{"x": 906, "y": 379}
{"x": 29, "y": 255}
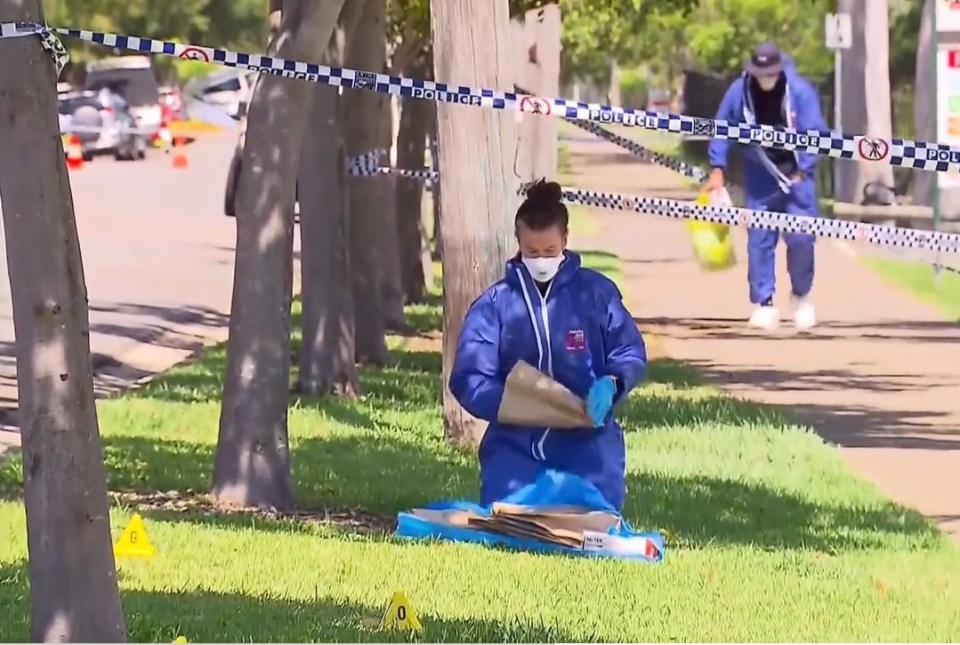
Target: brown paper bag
{"x": 531, "y": 398}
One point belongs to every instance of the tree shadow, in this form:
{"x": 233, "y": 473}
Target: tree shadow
{"x": 675, "y": 405}
{"x": 380, "y": 474}
{"x": 207, "y": 616}
{"x": 338, "y": 476}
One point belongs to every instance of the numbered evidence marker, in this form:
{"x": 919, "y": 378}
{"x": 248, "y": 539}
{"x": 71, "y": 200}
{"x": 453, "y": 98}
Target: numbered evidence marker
{"x": 134, "y": 542}
{"x": 400, "y": 614}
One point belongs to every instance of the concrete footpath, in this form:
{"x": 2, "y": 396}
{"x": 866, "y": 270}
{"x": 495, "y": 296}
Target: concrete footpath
{"x": 880, "y": 375}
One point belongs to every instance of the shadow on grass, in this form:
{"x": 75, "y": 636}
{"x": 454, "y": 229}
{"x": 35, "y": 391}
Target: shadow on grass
{"x": 659, "y": 410}
{"x": 388, "y": 475}
{"x": 211, "y": 617}
{"x": 388, "y": 470}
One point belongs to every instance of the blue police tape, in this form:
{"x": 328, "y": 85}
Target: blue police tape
{"x": 879, "y": 235}
{"x": 637, "y": 150}
{"x": 904, "y": 153}
{"x": 48, "y": 40}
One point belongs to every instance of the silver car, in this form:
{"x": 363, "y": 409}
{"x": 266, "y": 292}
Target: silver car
{"x": 103, "y": 123}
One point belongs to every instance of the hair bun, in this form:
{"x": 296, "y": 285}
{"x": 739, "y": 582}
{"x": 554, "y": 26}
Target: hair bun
{"x": 545, "y": 193}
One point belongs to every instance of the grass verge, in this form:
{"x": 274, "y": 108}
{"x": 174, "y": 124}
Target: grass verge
{"x": 771, "y": 537}
{"x": 919, "y": 280}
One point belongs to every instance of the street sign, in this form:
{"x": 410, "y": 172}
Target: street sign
{"x": 948, "y": 16}
{"x": 838, "y": 30}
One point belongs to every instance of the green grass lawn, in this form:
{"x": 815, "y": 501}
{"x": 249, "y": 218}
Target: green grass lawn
{"x": 918, "y": 279}
{"x": 770, "y": 537}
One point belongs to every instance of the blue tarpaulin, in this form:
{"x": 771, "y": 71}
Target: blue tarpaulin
{"x": 552, "y": 489}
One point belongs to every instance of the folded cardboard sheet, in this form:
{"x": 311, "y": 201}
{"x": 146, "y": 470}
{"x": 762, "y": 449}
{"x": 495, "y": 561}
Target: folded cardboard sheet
{"x": 564, "y": 526}
{"x": 531, "y": 398}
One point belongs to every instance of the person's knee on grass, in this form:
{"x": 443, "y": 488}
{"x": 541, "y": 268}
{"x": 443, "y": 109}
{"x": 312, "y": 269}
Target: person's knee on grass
{"x": 570, "y": 323}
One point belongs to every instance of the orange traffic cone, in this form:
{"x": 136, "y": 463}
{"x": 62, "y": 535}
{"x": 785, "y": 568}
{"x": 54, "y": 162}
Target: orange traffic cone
{"x": 74, "y": 153}
{"x": 179, "y": 156}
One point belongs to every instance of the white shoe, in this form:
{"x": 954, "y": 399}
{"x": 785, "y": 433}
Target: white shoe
{"x": 765, "y": 318}
{"x": 804, "y": 315}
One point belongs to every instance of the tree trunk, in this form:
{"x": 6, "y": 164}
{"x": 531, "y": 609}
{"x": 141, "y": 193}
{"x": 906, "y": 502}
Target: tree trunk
{"x": 366, "y": 195}
{"x": 477, "y": 148}
{"x": 275, "y": 10}
{"x": 436, "y": 184}
{"x": 252, "y": 464}
{"x": 866, "y": 90}
{"x": 391, "y": 275}
{"x": 411, "y": 144}
{"x": 73, "y": 577}
{"x": 328, "y": 348}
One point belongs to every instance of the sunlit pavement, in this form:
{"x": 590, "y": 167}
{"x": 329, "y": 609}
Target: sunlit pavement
{"x": 158, "y": 258}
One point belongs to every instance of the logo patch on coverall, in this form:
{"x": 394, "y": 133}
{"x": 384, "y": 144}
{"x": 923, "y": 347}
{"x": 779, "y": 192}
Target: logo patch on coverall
{"x": 576, "y": 340}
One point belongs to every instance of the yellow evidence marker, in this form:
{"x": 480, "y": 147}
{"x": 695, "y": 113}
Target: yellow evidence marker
{"x": 400, "y": 614}
{"x": 133, "y": 542}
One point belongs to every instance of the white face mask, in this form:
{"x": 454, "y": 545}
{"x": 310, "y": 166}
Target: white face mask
{"x": 543, "y": 269}
{"x": 767, "y": 83}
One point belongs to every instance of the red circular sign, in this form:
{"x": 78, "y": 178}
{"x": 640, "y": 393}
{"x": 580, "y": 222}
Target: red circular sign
{"x": 195, "y": 53}
{"x": 873, "y": 149}
{"x": 535, "y": 105}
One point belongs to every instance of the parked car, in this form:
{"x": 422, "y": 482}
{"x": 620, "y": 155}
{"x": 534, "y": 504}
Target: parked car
{"x": 133, "y": 78}
{"x": 103, "y": 123}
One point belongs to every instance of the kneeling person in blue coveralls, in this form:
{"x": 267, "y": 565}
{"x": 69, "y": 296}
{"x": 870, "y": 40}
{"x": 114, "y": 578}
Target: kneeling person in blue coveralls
{"x": 569, "y": 322}
{"x": 770, "y": 92}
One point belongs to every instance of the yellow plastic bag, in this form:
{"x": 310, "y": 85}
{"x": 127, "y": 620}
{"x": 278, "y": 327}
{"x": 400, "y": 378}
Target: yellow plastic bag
{"x": 712, "y": 245}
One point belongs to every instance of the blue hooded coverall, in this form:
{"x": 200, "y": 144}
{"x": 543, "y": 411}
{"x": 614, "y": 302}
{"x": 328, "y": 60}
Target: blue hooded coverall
{"x": 577, "y": 332}
{"x": 767, "y": 171}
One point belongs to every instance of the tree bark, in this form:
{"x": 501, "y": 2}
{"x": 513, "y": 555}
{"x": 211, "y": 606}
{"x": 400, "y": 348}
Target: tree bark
{"x": 366, "y": 195}
{"x": 866, "y": 94}
{"x": 477, "y": 148}
{"x": 328, "y": 348}
{"x": 391, "y": 275}
{"x": 73, "y": 577}
{"x": 537, "y": 47}
{"x": 415, "y": 119}
{"x": 436, "y": 185}
{"x": 275, "y": 11}
{"x": 252, "y": 464}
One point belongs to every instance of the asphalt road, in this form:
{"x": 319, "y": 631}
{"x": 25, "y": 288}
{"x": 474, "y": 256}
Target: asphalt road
{"x": 158, "y": 259}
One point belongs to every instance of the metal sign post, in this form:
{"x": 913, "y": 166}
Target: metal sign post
{"x": 839, "y": 36}
{"x": 946, "y": 99}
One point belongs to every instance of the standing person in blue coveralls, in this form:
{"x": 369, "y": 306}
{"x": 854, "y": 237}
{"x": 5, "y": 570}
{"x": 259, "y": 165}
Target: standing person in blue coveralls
{"x": 569, "y": 322}
{"x": 770, "y": 92}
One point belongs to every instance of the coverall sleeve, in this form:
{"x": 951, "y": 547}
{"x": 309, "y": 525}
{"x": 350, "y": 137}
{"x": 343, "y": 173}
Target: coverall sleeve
{"x": 626, "y": 353}
{"x": 720, "y": 148}
{"x": 475, "y": 380}
{"x": 809, "y": 117}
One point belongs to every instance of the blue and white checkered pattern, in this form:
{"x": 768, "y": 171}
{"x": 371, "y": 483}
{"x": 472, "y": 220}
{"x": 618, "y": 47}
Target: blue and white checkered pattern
{"x": 48, "y": 40}
{"x": 821, "y": 227}
{"x": 636, "y": 149}
{"x": 368, "y": 165}
{"x": 897, "y": 152}
{"x": 646, "y": 154}
{"x": 892, "y": 236}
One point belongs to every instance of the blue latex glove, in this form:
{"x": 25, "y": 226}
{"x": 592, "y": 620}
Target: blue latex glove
{"x": 600, "y": 400}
